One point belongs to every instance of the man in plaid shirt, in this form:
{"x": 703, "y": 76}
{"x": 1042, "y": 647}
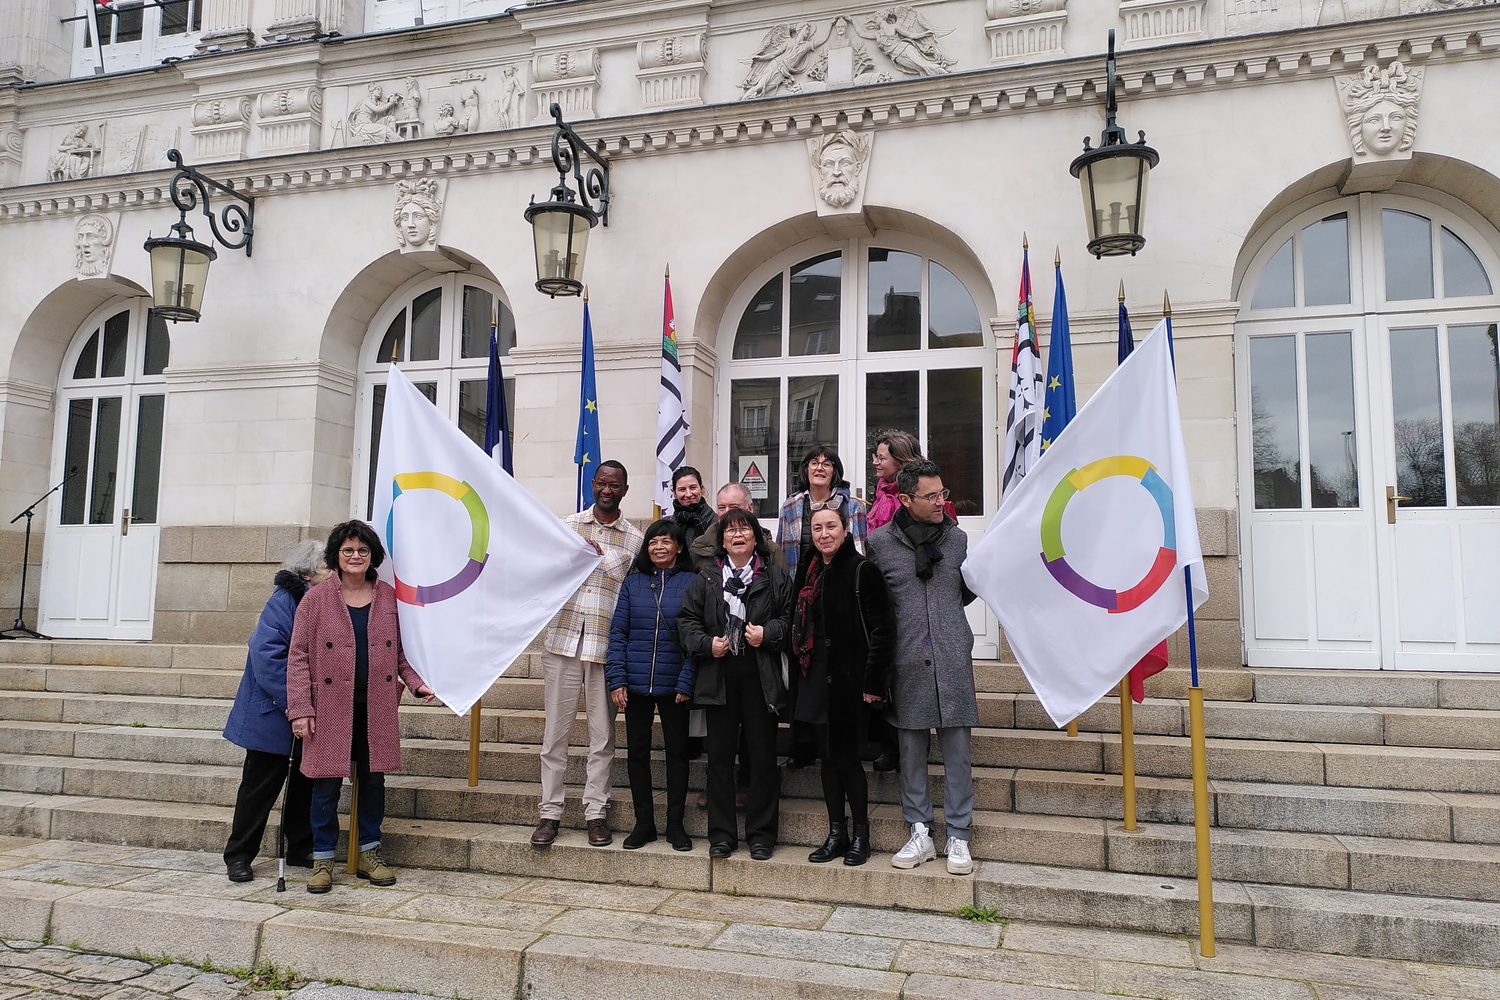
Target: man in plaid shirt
{"x": 576, "y": 643}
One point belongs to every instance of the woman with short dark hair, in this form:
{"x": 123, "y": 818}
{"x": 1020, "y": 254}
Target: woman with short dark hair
{"x": 647, "y": 675}
{"x": 734, "y": 623}
{"x": 822, "y": 476}
{"x": 345, "y": 672}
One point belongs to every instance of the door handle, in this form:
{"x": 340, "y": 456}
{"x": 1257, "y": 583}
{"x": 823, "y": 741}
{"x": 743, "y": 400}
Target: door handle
{"x": 1390, "y": 504}
{"x": 125, "y": 520}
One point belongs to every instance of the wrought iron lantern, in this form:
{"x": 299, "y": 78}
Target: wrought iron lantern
{"x": 179, "y": 263}
{"x": 560, "y": 226}
{"x": 1113, "y": 176}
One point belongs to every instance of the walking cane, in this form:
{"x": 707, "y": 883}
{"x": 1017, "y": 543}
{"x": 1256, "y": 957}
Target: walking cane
{"x": 286, "y": 791}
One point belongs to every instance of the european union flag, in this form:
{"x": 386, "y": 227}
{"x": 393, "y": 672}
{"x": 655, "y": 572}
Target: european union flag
{"x": 586, "y": 455}
{"x": 1127, "y": 339}
{"x": 1059, "y": 403}
{"x": 496, "y": 416}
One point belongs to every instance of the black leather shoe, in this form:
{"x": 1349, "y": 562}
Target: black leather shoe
{"x": 761, "y": 852}
{"x": 642, "y": 835}
{"x": 859, "y": 846}
{"x": 545, "y": 833}
{"x": 888, "y": 760}
{"x": 721, "y": 850}
{"x": 836, "y": 844}
{"x": 239, "y": 870}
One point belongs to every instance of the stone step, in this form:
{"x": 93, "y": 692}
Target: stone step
{"x": 106, "y": 653}
{"x": 161, "y": 681}
{"x": 1391, "y": 688}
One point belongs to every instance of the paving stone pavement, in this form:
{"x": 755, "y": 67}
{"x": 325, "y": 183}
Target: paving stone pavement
{"x": 445, "y": 934}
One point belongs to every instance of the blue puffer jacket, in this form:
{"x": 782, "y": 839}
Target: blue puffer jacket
{"x": 258, "y": 719}
{"x": 644, "y": 654}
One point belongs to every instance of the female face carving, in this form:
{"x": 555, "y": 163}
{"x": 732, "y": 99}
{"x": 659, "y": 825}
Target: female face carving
{"x": 414, "y": 225}
{"x": 1383, "y": 127}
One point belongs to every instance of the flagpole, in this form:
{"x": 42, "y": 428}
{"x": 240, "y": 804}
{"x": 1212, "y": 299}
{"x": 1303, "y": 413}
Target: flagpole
{"x": 656, "y": 507}
{"x": 1199, "y": 749}
{"x": 474, "y": 745}
{"x": 1127, "y": 751}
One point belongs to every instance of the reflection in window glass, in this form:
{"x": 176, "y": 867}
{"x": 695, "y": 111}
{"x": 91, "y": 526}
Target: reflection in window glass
{"x": 393, "y": 344}
{"x": 952, "y": 317}
{"x": 895, "y": 284}
{"x": 129, "y": 23}
{"x": 116, "y": 342}
{"x": 1462, "y": 272}
{"x": 471, "y": 409}
{"x": 1474, "y": 376}
{"x": 426, "y": 319}
{"x": 1418, "y": 410}
{"x": 75, "y": 461}
{"x": 1325, "y": 261}
{"x": 158, "y": 345}
{"x": 1275, "y": 445}
{"x": 146, "y": 481}
{"x": 812, "y": 418}
{"x": 1332, "y": 449}
{"x": 955, "y": 435}
{"x": 106, "y": 460}
{"x": 1408, "y": 255}
{"x": 174, "y": 17}
{"x": 759, "y": 333}
{"x": 480, "y": 308}
{"x": 755, "y": 440}
{"x": 815, "y": 315}
{"x": 1274, "y": 289}
{"x": 891, "y": 402}
{"x": 88, "y": 359}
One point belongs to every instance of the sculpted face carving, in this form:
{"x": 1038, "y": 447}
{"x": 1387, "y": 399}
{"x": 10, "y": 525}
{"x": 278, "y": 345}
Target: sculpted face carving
{"x": 1380, "y": 109}
{"x": 1383, "y": 128}
{"x": 839, "y": 164}
{"x": 91, "y": 246}
{"x": 418, "y": 211}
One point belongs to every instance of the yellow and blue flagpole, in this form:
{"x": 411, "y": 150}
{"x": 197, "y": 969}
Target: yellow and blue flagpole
{"x": 586, "y": 453}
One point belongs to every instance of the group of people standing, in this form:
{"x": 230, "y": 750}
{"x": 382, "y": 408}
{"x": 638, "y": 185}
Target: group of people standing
{"x": 849, "y": 625}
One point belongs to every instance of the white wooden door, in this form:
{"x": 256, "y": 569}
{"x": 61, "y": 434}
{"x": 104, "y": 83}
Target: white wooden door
{"x": 99, "y": 565}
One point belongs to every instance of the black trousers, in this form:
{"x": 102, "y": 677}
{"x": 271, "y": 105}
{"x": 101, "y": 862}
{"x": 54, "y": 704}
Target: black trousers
{"x": 639, "y": 711}
{"x": 261, "y": 782}
{"x": 844, "y": 779}
{"x": 744, "y": 711}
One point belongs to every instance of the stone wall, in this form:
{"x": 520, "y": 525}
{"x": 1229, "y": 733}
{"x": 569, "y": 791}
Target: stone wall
{"x": 12, "y": 545}
{"x": 213, "y": 581}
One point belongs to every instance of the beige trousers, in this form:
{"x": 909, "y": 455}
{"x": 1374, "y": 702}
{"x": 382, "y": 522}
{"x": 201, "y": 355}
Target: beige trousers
{"x": 562, "y": 678}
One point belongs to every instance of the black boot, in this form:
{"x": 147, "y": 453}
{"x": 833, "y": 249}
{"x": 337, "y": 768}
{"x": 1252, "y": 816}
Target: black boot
{"x": 859, "y": 846}
{"x": 836, "y": 844}
{"x": 643, "y": 834}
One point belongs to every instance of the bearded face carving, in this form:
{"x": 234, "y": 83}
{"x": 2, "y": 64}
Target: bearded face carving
{"x": 838, "y": 161}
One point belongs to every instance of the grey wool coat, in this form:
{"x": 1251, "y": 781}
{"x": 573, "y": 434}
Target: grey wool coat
{"x": 932, "y": 685}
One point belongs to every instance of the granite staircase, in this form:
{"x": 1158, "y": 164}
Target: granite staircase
{"x": 1353, "y": 812}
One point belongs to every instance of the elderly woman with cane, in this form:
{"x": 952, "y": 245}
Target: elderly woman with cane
{"x": 258, "y": 723}
{"x": 344, "y": 680}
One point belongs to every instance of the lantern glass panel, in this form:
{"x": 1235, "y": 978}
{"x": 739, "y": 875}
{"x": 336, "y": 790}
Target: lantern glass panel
{"x": 562, "y": 240}
{"x": 1114, "y": 195}
{"x": 178, "y": 273}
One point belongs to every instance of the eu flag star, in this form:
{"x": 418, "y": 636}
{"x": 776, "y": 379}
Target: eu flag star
{"x": 1046, "y": 413}
{"x": 591, "y": 406}
{"x": 1046, "y": 443}
{"x": 586, "y": 459}
{"x": 1056, "y": 383}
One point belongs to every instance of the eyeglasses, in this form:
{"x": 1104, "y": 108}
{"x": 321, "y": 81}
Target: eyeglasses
{"x": 933, "y": 498}
{"x": 739, "y": 529}
{"x": 820, "y": 463}
{"x": 352, "y": 553}
{"x": 832, "y": 503}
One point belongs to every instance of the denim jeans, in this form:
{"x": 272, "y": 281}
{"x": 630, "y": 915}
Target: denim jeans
{"x": 325, "y": 799}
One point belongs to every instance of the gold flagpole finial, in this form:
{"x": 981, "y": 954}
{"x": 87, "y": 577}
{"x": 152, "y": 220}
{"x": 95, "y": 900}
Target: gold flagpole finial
{"x": 1057, "y": 257}
{"x": 1166, "y": 303}
{"x": 669, "y": 272}
{"x": 585, "y": 293}
{"x": 1122, "y": 291}
{"x": 1024, "y": 245}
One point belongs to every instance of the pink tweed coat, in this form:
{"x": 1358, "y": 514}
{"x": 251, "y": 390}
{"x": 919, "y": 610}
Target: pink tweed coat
{"x": 320, "y": 679}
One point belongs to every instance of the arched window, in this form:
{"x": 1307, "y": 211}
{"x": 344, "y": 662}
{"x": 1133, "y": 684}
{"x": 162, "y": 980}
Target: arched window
{"x": 437, "y": 329}
{"x": 834, "y": 341}
{"x": 99, "y": 577}
{"x": 1370, "y": 438}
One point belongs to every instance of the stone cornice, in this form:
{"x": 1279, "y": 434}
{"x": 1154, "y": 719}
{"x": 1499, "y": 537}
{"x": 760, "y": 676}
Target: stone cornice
{"x": 25, "y": 394}
{"x": 1244, "y": 61}
{"x": 261, "y": 376}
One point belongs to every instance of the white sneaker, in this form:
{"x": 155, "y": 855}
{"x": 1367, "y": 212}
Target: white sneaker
{"x": 917, "y": 850}
{"x": 959, "y": 861}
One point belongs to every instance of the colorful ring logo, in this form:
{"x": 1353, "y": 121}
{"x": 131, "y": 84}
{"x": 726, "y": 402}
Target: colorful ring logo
{"x": 1113, "y": 601}
{"x": 479, "y": 536}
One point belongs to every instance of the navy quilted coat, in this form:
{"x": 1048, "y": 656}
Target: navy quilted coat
{"x": 644, "y": 654}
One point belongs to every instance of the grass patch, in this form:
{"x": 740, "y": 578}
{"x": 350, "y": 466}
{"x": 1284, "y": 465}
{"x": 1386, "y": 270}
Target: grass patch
{"x": 266, "y": 976}
{"x": 978, "y": 914}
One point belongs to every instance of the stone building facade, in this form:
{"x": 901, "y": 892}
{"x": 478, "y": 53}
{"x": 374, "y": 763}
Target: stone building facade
{"x": 841, "y": 192}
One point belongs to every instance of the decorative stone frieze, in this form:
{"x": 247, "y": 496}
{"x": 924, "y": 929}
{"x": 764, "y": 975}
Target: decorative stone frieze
{"x": 672, "y": 70}
{"x": 94, "y": 245}
{"x": 1157, "y": 20}
{"x": 805, "y": 55}
{"x": 1380, "y": 115}
{"x": 380, "y": 118}
{"x": 77, "y": 154}
{"x": 568, "y": 78}
{"x": 509, "y": 107}
{"x": 221, "y": 127}
{"x": 1025, "y": 30}
{"x": 290, "y": 120}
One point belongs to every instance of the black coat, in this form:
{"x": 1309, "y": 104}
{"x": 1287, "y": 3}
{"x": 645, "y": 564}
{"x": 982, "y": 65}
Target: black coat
{"x": 860, "y": 632}
{"x": 768, "y": 602}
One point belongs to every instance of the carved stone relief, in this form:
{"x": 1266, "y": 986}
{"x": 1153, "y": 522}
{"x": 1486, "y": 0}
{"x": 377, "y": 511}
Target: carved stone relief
{"x": 12, "y": 142}
{"x": 380, "y": 118}
{"x": 77, "y": 155}
{"x": 509, "y": 108}
{"x": 221, "y": 127}
{"x": 1380, "y": 114}
{"x": 1243, "y": 17}
{"x": 95, "y": 149}
{"x": 805, "y": 55}
{"x": 568, "y": 78}
{"x": 418, "y": 213}
{"x": 291, "y": 120}
{"x": 672, "y": 70}
{"x": 1025, "y": 30}
{"x": 94, "y": 245}
{"x": 839, "y": 162}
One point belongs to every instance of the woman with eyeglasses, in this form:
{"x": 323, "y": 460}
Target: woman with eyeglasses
{"x": 843, "y": 644}
{"x": 822, "y": 476}
{"x": 345, "y": 673}
{"x": 734, "y": 623}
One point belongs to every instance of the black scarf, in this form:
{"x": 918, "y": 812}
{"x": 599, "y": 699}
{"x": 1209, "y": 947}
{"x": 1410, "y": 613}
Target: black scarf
{"x": 291, "y": 583}
{"x": 694, "y": 520}
{"x": 925, "y": 537}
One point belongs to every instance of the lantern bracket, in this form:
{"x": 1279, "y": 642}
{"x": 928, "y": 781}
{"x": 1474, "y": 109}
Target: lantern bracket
{"x": 567, "y": 145}
{"x": 190, "y": 188}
